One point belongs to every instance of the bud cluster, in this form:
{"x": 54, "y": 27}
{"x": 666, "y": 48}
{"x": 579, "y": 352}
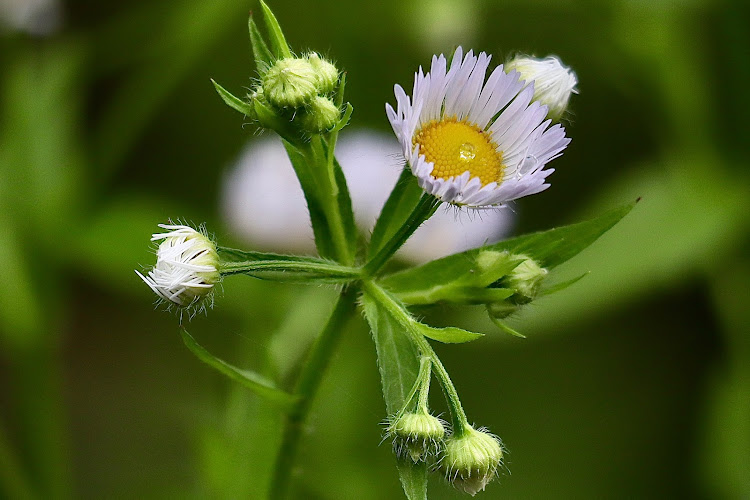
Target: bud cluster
{"x": 301, "y": 90}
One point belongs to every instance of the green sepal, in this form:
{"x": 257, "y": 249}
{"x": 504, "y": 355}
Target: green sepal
{"x": 253, "y": 381}
{"x": 401, "y": 202}
{"x": 398, "y": 363}
{"x": 278, "y": 46}
{"x": 506, "y": 328}
{"x": 548, "y": 248}
{"x": 556, "y": 287}
{"x": 263, "y": 57}
{"x": 234, "y": 102}
{"x": 288, "y": 268}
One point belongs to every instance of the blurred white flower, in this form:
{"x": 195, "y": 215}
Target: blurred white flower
{"x": 35, "y": 17}
{"x": 263, "y": 204}
{"x": 553, "y": 81}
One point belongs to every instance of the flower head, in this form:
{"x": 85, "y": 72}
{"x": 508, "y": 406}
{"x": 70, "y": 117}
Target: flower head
{"x": 471, "y": 142}
{"x": 553, "y": 82}
{"x": 416, "y": 435}
{"x": 470, "y": 460}
{"x": 187, "y": 266}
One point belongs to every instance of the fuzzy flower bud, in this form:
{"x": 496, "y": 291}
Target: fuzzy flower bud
{"x": 416, "y": 435}
{"x": 290, "y": 83}
{"x": 320, "y": 115}
{"x": 470, "y": 460}
{"x": 526, "y": 279}
{"x": 326, "y": 73}
{"x": 187, "y": 266}
{"x": 553, "y": 82}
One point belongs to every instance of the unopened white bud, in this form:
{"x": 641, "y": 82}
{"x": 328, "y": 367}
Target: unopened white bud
{"x": 553, "y": 82}
{"x": 187, "y": 266}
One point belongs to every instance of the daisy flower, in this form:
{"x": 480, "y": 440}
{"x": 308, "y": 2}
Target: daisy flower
{"x": 472, "y": 142}
{"x": 187, "y": 266}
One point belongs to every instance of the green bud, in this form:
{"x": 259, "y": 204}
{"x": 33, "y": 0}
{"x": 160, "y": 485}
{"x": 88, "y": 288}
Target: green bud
{"x": 526, "y": 279}
{"x": 320, "y": 116}
{"x": 416, "y": 435}
{"x": 470, "y": 460}
{"x": 326, "y": 73}
{"x": 290, "y": 83}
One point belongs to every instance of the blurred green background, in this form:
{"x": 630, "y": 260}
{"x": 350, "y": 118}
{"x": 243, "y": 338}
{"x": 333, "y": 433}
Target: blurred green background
{"x": 635, "y": 383}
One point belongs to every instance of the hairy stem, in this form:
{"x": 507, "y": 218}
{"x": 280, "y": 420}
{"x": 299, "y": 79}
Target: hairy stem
{"x": 307, "y": 385}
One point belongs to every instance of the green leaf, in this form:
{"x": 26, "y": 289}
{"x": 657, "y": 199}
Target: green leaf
{"x": 261, "y": 53}
{"x": 344, "y": 201}
{"x": 398, "y": 363}
{"x": 549, "y": 248}
{"x": 279, "y": 47}
{"x": 448, "y": 335}
{"x": 400, "y": 204}
{"x": 253, "y": 381}
{"x": 413, "y": 478}
{"x": 323, "y": 238}
{"x": 233, "y": 102}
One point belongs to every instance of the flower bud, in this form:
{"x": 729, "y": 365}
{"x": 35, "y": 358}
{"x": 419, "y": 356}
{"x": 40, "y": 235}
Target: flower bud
{"x": 470, "y": 460}
{"x": 320, "y": 115}
{"x": 416, "y": 435}
{"x": 553, "y": 82}
{"x": 526, "y": 279}
{"x": 290, "y": 83}
{"x": 326, "y": 73}
{"x": 187, "y": 266}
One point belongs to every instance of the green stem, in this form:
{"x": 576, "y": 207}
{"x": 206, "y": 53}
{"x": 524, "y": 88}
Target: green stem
{"x": 423, "y": 211}
{"x": 324, "y": 270}
{"x": 307, "y": 385}
{"x": 458, "y": 416}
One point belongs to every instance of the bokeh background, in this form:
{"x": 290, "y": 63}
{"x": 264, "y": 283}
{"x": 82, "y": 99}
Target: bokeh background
{"x": 635, "y": 383}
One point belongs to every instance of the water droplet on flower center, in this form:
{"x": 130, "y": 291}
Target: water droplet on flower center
{"x": 467, "y": 151}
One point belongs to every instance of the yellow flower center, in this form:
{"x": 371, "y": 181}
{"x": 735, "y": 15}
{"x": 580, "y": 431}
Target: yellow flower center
{"x": 455, "y": 147}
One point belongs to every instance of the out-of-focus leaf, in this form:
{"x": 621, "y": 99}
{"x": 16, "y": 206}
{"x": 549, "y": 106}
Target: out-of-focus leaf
{"x": 548, "y": 248}
{"x": 253, "y": 381}
{"x": 185, "y": 36}
{"x": 399, "y": 365}
{"x": 233, "y": 102}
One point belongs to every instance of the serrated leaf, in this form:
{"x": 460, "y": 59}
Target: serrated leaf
{"x": 550, "y": 248}
{"x": 398, "y": 363}
{"x": 232, "y": 101}
{"x": 253, "y": 381}
{"x": 276, "y": 39}
{"x": 396, "y": 210}
{"x": 261, "y": 53}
